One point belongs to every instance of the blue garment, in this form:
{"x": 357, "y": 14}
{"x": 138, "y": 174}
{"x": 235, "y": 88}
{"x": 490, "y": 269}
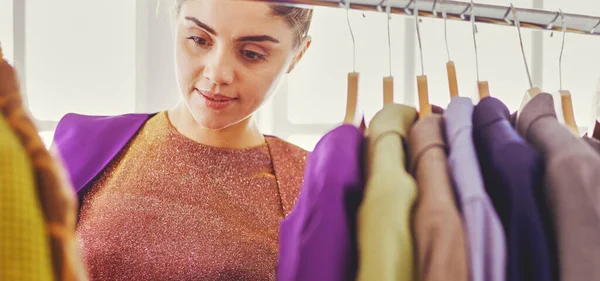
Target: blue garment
{"x": 512, "y": 170}
{"x": 317, "y": 241}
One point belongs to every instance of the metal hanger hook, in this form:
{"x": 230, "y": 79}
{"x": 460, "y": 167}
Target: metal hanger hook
{"x": 506, "y": 15}
{"x": 596, "y": 26}
{"x": 551, "y": 24}
{"x": 433, "y": 10}
{"x": 475, "y": 38}
{"x": 518, "y": 25}
{"x": 463, "y": 14}
{"x": 388, "y": 11}
{"x": 379, "y": 9}
{"x": 407, "y": 9}
{"x": 346, "y": 4}
{"x": 445, "y": 16}
{"x": 416, "y": 11}
{"x": 562, "y": 47}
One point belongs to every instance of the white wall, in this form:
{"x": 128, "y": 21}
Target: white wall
{"x": 80, "y": 57}
{"x": 6, "y": 28}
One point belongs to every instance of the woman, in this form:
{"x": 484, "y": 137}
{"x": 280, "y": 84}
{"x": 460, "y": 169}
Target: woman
{"x": 195, "y": 192}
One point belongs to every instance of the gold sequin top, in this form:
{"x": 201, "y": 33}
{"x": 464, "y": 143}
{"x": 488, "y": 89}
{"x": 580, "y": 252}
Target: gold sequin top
{"x": 169, "y": 208}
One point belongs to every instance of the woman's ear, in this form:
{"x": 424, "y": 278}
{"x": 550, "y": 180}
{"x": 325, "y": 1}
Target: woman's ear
{"x": 301, "y": 50}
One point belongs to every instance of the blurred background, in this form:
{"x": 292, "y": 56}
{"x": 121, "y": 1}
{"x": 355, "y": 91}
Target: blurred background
{"x": 113, "y": 57}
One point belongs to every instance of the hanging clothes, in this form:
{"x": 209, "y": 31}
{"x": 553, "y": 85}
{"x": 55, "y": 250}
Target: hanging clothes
{"x": 440, "y": 248}
{"x": 592, "y": 142}
{"x": 56, "y": 198}
{"x": 384, "y": 216}
{"x": 485, "y": 236}
{"x": 571, "y": 188}
{"x": 512, "y": 170}
{"x": 23, "y": 239}
{"x": 317, "y": 241}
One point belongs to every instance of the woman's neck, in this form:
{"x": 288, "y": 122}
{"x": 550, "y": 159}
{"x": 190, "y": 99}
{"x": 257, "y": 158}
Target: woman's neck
{"x": 244, "y": 134}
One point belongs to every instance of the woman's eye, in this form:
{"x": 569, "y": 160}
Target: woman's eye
{"x": 253, "y": 55}
{"x": 198, "y": 40}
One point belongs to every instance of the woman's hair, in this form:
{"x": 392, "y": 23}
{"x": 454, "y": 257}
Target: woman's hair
{"x": 298, "y": 18}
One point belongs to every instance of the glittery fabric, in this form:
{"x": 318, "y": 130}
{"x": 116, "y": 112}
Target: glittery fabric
{"x": 168, "y": 208}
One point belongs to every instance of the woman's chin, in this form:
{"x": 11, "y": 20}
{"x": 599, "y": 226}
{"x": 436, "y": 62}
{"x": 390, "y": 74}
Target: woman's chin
{"x": 215, "y": 123}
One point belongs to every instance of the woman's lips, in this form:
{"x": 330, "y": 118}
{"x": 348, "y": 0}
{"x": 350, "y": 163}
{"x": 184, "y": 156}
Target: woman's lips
{"x": 216, "y": 101}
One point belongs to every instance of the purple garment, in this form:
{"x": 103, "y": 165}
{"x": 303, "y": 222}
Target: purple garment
{"x": 485, "y": 237}
{"x": 87, "y": 144}
{"x": 317, "y": 241}
{"x": 512, "y": 171}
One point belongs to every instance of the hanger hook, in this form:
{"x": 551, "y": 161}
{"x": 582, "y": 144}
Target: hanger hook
{"x": 551, "y": 24}
{"x": 346, "y": 5}
{"x": 464, "y": 12}
{"x": 562, "y": 47}
{"x": 445, "y": 16}
{"x": 433, "y": 10}
{"x": 506, "y": 15}
{"x": 407, "y": 9}
{"x": 596, "y": 26}
{"x": 416, "y": 11}
{"x": 388, "y": 11}
{"x": 518, "y": 25}
{"x": 475, "y": 38}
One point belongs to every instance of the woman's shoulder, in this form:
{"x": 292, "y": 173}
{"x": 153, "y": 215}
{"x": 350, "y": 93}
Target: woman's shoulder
{"x": 77, "y": 122}
{"x": 86, "y": 143}
{"x": 85, "y": 128}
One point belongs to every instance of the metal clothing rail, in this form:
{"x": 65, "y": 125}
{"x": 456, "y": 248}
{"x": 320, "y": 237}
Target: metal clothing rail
{"x": 493, "y": 14}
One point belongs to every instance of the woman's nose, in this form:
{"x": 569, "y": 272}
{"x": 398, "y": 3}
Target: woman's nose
{"x": 219, "y": 67}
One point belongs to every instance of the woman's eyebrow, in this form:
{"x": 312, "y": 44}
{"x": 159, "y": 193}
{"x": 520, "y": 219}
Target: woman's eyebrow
{"x": 257, "y": 38}
{"x": 202, "y": 25}
{"x": 253, "y": 38}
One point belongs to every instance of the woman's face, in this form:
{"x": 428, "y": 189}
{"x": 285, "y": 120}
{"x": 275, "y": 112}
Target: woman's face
{"x": 230, "y": 55}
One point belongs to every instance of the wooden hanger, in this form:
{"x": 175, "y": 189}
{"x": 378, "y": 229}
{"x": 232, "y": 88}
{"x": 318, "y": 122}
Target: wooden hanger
{"x": 452, "y": 80}
{"x": 351, "y": 98}
{"x": 350, "y": 116}
{"x": 388, "y": 82}
{"x": 532, "y": 91}
{"x": 567, "y": 108}
{"x": 450, "y": 67}
{"x": 565, "y": 95}
{"x": 423, "y": 91}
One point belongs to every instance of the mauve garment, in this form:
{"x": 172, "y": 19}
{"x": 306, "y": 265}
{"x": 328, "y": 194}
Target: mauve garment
{"x": 572, "y": 188}
{"x": 317, "y": 241}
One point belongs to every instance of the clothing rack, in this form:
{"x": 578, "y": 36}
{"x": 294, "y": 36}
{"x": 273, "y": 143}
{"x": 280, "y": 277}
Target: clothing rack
{"x": 455, "y": 10}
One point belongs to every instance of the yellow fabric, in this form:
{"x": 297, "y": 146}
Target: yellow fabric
{"x": 24, "y": 247}
{"x": 384, "y": 218}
